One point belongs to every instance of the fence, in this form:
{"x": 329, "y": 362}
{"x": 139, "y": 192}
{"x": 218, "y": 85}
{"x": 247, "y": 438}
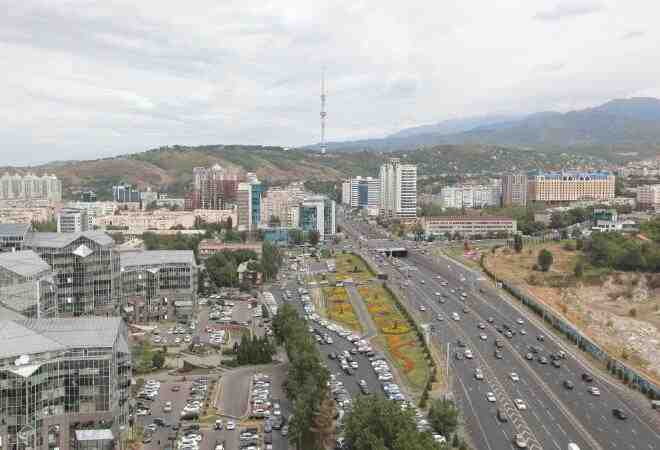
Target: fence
{"x": 630, "y": 376}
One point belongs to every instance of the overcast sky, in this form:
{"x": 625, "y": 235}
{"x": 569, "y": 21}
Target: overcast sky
{"x": 89, "y": 79}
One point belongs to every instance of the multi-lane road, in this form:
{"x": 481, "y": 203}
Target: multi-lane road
{"x": 554, "y": 416}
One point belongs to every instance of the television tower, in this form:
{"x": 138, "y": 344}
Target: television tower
{"x": 323, "y": 113}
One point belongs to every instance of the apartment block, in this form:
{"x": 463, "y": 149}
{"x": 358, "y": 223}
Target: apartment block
{"x": 468, "y": 225}
{"x": 30, "y": 187}
{"x": 213, "y": 188}
{"x": 317, "y": 213}
{"x": 73, "y": 220}
{"x": 480, "y": 196}
{"x": 570, "y": 186}
{"x": 514, "y": 190}
{"x": 398, "y": 190}
{"x": 125, "y": 193}
{"x": 648, "y": 196}
{"x": 65, "y": 383}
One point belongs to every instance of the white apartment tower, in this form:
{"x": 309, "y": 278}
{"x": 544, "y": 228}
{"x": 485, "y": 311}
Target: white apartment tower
{"x": 398, "y": 190}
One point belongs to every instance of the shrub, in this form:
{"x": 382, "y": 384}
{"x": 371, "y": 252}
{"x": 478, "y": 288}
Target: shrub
{"x": 545, "y": 260}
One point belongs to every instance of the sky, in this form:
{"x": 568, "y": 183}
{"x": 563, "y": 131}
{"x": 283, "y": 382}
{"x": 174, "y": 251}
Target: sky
{"x": 89, "y": 79}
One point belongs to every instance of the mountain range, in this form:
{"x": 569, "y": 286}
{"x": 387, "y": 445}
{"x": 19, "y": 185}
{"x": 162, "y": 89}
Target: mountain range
{"x": 618, "y": 126}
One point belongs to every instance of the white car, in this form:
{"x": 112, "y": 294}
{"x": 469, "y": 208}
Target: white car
{"x": 483, "y": 337}
{"x": 437, "y": 294}
{"x": 593, "y": 390}
{"x": 478, "y": 374}
{"x": 231, "y": 425}
{"x": 520, "y": 404}
{"x": 490, "y": 397}
{"x": 468, "y": 354}
{"x": 519, "y": 321}
{"x": 422, "y": 308}
{"x": 514, "y": 377}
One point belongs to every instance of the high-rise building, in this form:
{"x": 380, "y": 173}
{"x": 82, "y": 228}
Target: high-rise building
{"x": 567, "y": 186}
{"x": 86, "y": 269}
{"x": 72, "y": 220}
{"x": 27, "y": 284}
{"x": 514, "y": 190}
{"x": 275, "y": 205}
{"x": 398, "y": 190}
{"x": 30, "y": 187}
{"x": 59, "y": 376}
{"x": 364, "y": 193}
{"x": 648, "y": 196}
{"x": 213, "y": 188}
{"x": 317, "y": 213}
{"x": 125, "y": 193}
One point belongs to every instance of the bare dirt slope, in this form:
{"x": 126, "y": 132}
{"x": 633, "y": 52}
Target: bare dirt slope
{"x": 620, "y": 311}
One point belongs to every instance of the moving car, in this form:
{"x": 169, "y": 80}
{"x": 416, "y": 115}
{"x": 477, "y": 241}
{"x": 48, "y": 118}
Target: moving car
{"x": 490, "y": 397}
{"x": 520, "y": 404}
{"x": 514, "y": 377}
{"x": 593, "y": 390}
{"x": 619, "y": 414}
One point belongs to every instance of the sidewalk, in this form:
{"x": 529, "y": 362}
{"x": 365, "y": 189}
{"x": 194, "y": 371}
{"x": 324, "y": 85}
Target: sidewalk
{"x": 360, "y": 307}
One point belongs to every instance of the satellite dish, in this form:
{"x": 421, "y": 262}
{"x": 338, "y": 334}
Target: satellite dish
{"x": 22, "y": 360}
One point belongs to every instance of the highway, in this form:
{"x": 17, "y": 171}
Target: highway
{"x": 555, "y": 415}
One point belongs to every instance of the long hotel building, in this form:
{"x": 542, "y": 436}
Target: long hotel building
{"x": 570, "y": 186}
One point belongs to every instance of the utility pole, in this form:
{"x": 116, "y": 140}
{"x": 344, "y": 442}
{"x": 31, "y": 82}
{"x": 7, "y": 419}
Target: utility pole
{"x": 323, "y": 112}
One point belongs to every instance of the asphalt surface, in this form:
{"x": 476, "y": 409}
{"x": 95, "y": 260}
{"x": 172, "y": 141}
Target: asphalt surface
{"x": 555, "y": 416}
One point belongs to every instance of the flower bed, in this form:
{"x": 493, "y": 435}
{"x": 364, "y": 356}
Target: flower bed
{"x": 339, "y": 308}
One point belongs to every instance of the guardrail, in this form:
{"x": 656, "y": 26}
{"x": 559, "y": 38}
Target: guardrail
{"x": 628, "y": 375}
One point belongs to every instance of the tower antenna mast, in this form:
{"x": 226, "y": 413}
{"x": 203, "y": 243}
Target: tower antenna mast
{"x": 323, "y": 113}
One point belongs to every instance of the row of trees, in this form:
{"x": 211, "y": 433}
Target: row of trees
{"x": 254, "y": 350}
{"x": 298, "y": 237}
{"x": 612, "y": 249}
{"x": 312, "y": 426}
{"x": 378, "y": 423}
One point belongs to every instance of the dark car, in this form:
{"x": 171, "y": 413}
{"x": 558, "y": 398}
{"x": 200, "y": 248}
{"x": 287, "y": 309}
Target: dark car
{"x": 332, "y": 355}
{"x": 458, "y": 355}
{"x": 540, "y": 338}
{"x": 529, "y": 357}
{"x": 499, "y": 329}
{"x": 543, "y": 360}
{"x": 586, "y": 377}
{"x": 501, "y": 415}
{"x": 491, "y": 320}
{"x": 353, "y": 351}
{"x": 498, "y": 354}
{"x": 556, "y": 363}
{"x": 619, "y": 414}
{"x": 460, "y": 343}
{"x": 498, "y": 343}
{"x": 568, "y": 384}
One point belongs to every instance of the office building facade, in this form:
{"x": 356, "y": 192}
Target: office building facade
{"x": 12, "y": 236}
{"x": 30, "y": 187}
{"x": 570, "y": 186}
{"x": 64, "y": 383}
{"x": 514, "y": 190}
{"x": 363, "y": 193}
{"x": 398, "y": 190}
{"x": 318, "y": 213}
{"x": 153, "y": 280}
{"x": 27, "y": 284}
{"x": 86, "y": 270}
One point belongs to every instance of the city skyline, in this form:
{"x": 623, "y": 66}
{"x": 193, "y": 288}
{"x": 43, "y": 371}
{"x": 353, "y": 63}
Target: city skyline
{"x": 145, "y": 78}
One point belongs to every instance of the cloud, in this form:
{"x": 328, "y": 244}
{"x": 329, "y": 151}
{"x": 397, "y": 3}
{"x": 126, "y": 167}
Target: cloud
{"x": 548, "y": 68}
{"x": 84, "y": 79}
{"x": 633, "y": 35}
{"x": 568, "y": 9}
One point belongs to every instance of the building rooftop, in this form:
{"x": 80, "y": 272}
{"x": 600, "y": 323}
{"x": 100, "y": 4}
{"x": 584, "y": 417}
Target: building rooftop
{"x": 25, "y": 263}
{"x": 14, "y": 229}
{"x": 28, "y": 336}
{"x": 156, "y": 257}
{"x": 59, "y": 240}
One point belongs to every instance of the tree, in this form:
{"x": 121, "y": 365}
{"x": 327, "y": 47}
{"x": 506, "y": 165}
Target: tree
{"x": 158, "y": 359}
{"x": 274, "y": 221}
{"x": 229, "y": 223}
{"x": 517, "y": 243}
{"x": 314, "y": 237}
{"x": 545, "y": 260}
{"x": 579, "y": 269}
{"x": 443, "y": 416}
